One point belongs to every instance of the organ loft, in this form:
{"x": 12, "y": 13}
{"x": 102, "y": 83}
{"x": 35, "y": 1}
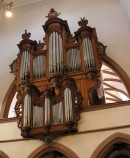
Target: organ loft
{"x": 57, "y": 79}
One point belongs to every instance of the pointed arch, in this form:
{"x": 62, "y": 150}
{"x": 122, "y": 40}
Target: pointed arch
{"x": 7, "y": 100}
{"x": 104, "y": 147}
{"x": 53, "y": 147}
{"x": 3, "y": 155}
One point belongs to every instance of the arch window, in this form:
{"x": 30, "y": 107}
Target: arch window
{"x": 114, "y": 88}
{"x": 12, "y": 107}
{"x": 115, "y": 146}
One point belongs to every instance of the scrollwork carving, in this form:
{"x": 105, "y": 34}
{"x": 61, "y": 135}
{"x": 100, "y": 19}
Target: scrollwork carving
{"x": 101, "y": 50}
{"x": 14, "y": 67}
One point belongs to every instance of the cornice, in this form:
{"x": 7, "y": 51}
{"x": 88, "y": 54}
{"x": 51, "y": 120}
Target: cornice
{"x": 8, "y": 120}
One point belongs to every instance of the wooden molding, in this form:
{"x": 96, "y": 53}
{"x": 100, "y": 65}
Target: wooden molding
{"x": 13, "y": 140}
{"x": 7, "y": 100}
{"x": 8, "y": 120}
{"x": 54, "y": 146}
{"x": 106, "y": 106}
{"x": 77, "y": 133}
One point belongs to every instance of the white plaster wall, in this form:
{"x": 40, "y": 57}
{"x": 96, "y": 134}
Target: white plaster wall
{"x": 126, "y": 11}
{"x": 83, "y": 145}
{"x": 21, "y": 149}
{"x": 105, "y": 118}
{"x": 106, "y": 16}
{"x": 9, "y": 131}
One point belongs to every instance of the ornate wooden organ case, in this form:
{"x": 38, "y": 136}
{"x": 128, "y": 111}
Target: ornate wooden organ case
{"x": 56, "y": 78}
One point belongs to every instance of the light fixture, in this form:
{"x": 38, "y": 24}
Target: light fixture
{"x": 6, "y": 7}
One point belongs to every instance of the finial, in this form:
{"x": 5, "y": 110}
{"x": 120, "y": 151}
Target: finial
{"x": 40, "y": 46}
{"x": 52, "y": 14}
{"x": 26, "y": 35}
{"x": 83, "y": 22}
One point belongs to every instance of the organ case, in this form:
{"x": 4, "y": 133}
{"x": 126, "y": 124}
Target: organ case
{"x": 57, "y": 78}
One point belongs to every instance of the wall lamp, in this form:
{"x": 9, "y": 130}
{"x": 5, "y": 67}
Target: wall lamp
{"x": 6, "y": 7}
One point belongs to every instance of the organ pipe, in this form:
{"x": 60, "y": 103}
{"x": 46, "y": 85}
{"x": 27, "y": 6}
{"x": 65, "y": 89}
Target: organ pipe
{"x": 88, "y": 53}
{"x": 27, "y": 110}
{"x": 47, "y": 111}
{"x": 73, "y": 60}
{"x": 37, "y": 116}
{"x": 68, "y": 104}
{"x": 25, "y": 64}
{"x": 55, "y": 53}
{"x": 39, "y": 66}
{"x": 57, "y": 112}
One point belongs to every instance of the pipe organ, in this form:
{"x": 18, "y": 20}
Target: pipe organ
{"x": 56, "y": 79}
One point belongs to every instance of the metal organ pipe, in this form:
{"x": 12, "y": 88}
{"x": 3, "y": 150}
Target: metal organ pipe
{"x": 21, "y": 69}
{"x": 58, "y": 55}
{"x": 25, "y": 64}
{"x": 73, "y": 57}
{"x": 55, "y": 53}
{"x": 47, "y": 111}
{"x": 60, "y": 113}
{"x": 24, "y": 68}
{"x": 39, "y": 66}
{"x": 88, "y": 53}
{"x": 92, "y": 54}
{"x": 68, "y": 104}
{"x": 37, "y": 116}
{"x": 73, "y": 60}
{"x": 61, "y": 54}
{"x": 84, "y": 53}
{"x": 27, "y": 110}
{"x": 50, "y": 53}
{"x": 34, "y": 68}
{"x": 57, "y": 112}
